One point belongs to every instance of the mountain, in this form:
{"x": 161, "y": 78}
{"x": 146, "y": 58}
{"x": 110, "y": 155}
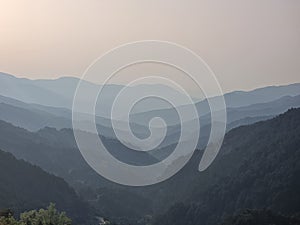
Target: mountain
{"x": 52, "y": 150}
{"x": 34, "y": 117}
{"x": 56, "y": 152}
{"x": 54, "y": 111}
{"x": 261, "y": 217}
{"x": 235, "y": 117}
{"x": 24, "y": 186}
{"x": 257, "y": 167}
{"x": 252, "y": 157}
{"x": 60, "y": 93}
{"x": 233, "y": 113}
{"x": 263, "y": 109}
{"x": 260, "y": 95}
{"x": 25, "y": 90}
{"x": 247, "y": 121}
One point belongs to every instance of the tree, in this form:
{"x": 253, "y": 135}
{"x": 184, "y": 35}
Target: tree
{"x": 8, "y": 221}
{"x": 50, "y": 216}
{"x": 6, "y": 213}
{"x": 6, "y": 217}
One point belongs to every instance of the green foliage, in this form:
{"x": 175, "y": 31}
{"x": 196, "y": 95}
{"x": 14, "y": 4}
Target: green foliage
{"x": 49, "y": 216}
{"x": 6, "y": 217}
{"x": 8, "y": 221}
{"x": 6, "y": 213}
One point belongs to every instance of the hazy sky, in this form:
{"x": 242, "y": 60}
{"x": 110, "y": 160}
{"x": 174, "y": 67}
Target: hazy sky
{"x": 247, "y": 43}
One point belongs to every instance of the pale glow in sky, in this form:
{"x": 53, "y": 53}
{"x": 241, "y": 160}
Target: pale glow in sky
{"x": 248, "y": 44}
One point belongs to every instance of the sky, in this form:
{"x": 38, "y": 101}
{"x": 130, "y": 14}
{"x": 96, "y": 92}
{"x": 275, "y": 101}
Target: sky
{"x": 248, "y": 44}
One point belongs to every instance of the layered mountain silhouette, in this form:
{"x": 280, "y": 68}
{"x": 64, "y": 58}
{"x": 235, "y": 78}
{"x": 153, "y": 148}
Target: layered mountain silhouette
{"x": 34, "y": 117}
{"x": 257, "y": 168}
{"x": 252, "y": 158}
{"x": 60, "y": 93}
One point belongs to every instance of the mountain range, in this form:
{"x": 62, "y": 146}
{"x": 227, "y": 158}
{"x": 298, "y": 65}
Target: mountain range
{"x": 242, "y": 108}
{"x": 257, "y": 168}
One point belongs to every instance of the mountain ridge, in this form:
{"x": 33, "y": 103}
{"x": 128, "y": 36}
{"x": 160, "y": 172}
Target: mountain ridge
{"x": 24, "y": 186}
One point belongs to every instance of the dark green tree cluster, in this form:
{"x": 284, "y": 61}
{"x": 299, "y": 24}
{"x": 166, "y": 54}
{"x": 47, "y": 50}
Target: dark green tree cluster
{"x": 49, "y": 216}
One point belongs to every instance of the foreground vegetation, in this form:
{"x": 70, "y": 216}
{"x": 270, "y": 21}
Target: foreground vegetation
{"x": 49, "y": 216}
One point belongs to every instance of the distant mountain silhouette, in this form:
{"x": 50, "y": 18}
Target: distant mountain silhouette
{"x": 235, "y": 117}
{"x": 274, "y": 107}
{"x": 34, "y": 117}
{"x": 60, "y": 93}
{"x": 260, "y": 95}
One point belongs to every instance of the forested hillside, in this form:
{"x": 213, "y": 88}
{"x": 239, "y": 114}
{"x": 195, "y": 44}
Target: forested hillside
{"x": 258, "y": 167}
{"x": 260, "y": 217}
{"x": 24, "y": 186}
